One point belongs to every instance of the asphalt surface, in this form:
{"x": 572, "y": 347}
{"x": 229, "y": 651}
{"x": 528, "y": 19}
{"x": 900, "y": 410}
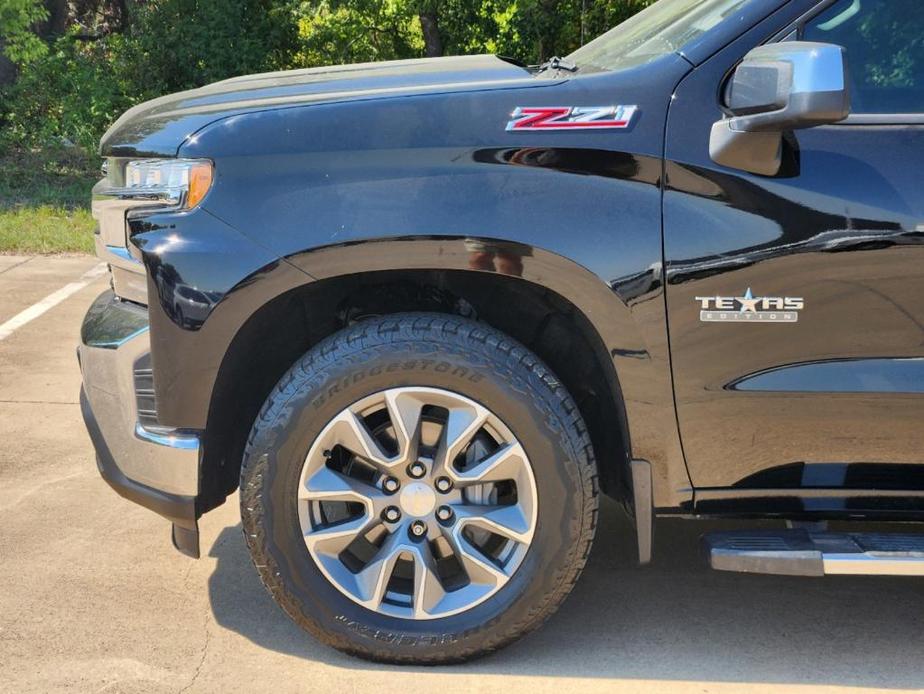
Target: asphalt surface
{"x": 94, "y": 598}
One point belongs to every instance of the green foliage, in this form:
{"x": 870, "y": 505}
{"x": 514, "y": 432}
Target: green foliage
{"x": 356, "y": 31}
{"x": 45, "y": 201}
{"x": 893, "y": 47}
{"x": 466, "y": 26}
{"x": 181, "y": 44}
{"x": 70, "y": 88}
{"x": 58, "y": 176}
{"x": 45, "y": 229}
{"x": 77, "y": 88}
{"x": 70, "y": 94}
{"x": 535, "y": 30}
{"x": 17, "y": 17}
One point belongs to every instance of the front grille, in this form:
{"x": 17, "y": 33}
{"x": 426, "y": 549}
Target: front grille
{"x": 145, "y": 403}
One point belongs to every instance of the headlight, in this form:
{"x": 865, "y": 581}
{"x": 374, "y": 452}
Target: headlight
{"x": 180, "y": 183}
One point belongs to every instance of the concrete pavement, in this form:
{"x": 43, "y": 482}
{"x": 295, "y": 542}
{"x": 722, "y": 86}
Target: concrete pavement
{"x": 94, "y": 598}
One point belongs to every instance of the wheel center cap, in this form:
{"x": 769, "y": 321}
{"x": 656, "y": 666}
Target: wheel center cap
{"x": 417, "y": 499}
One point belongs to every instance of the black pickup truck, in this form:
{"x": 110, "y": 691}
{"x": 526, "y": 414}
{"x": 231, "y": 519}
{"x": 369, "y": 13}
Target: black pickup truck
{"x": 421, "y": 313}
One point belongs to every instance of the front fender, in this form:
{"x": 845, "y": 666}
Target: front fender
{"x": 187, "y": 361}
{"x": 425, "y": 182}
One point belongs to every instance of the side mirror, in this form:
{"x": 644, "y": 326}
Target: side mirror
{"x": 778, "y": 87}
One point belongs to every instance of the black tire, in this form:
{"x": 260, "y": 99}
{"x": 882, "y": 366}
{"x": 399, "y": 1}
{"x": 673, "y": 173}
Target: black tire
{"x": 496, "y": 371}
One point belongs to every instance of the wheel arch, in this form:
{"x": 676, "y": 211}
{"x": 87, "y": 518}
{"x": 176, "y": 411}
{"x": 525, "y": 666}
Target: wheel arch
{"x": 556, "y": 302}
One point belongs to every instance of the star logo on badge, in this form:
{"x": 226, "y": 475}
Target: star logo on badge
{"x": 748, "y": 302}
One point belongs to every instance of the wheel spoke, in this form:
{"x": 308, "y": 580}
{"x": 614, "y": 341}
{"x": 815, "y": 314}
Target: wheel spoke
{"x": 404, "y": 411}
{"x": 428, "y": 589}
{"x": 507, "y": 521}
{"x": 330, "y": 485}
{"x": 504, "y": 464}
{"x": 333, "y": 539}
{"x": 372, "y": 580}
{"x": 476, "y": 565}
{"x": 461, "y": 425}
{"x": 349, "y": 431}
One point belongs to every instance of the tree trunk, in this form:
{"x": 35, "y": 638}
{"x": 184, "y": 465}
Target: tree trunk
{"x": 122, "y": 7}
{"x": 57, "y": 19}
{"x": 7, "y": 68}
{"x": 433, "y": 44}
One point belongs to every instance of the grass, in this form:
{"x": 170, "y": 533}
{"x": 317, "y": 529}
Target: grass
{"x": 45, "y": 201}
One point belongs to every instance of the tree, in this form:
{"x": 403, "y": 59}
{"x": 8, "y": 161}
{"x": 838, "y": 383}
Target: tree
{"x": 462, "y": 26}
{"x": 172, "y": 45}
{"x": 538, "y": 29}
{"x": 69, "y": 67}
{"x": 56, "y": 19}
{"x": 28, "y": 27}
{"x": 430, "y": 26}
{"x": 18, "y": 41}
{"x": 339, "y": 31}
{"x": 336, "y": 31}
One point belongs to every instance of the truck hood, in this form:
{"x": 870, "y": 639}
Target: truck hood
{"x": 160, "y": 126}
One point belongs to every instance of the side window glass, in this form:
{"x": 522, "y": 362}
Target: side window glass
{"x": 885, "y": 51}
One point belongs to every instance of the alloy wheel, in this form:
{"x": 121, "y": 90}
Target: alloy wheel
{"x": 417, "y": 502}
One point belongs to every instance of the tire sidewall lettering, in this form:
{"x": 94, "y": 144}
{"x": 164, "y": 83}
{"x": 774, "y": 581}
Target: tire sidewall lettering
{"x": 463, "y": 373}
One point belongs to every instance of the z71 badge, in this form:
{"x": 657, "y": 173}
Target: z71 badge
{"x": 570, "y": 117}
{"x": 750, "y": 308}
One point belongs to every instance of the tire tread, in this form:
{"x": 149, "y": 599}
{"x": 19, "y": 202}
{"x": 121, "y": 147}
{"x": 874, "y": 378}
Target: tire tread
{"x": 498, "y": 352}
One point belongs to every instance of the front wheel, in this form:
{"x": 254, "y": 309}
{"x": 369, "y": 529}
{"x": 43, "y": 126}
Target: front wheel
{"x": 419, "y": 488}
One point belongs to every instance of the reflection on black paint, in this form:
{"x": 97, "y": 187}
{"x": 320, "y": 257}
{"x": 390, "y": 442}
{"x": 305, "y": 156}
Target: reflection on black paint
{"x": 589, "y": 162}
{"x": 503, "y": 257}
{"x": 802, "y": 228}
{"x": 185, "y": 303}
{"x": 633, "y": 287}
{"x": 833, "y": 475}
{"x": 893, "y": 375}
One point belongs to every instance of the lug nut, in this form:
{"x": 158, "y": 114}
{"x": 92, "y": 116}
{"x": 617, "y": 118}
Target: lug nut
{"x": 444, "y": 513}
{"x": 391, "y": 485}
{"x": 417, "y": 470}
{"x": 391, "y": 514}
{"x": 418, "y": 528}
{"x": 443, "y": 484}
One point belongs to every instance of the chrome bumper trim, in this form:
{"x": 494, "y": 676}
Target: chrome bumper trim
{"x": 128, "y": 274}
{"x": 112, "y": 341}
{"x": 186, "y": 442}
{"x": 122, "y": 253}
{"x": 110, "y": 323}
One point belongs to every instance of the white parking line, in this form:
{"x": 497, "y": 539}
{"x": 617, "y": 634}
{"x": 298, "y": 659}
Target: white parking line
{"x": 35, "y": 310}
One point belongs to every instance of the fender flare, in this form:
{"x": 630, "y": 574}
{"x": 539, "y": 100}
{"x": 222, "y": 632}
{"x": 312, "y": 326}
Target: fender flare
{"x": 641, "y": 368}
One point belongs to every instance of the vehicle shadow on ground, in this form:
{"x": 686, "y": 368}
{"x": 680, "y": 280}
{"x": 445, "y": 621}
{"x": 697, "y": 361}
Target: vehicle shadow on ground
{"x": 675, "y": 620}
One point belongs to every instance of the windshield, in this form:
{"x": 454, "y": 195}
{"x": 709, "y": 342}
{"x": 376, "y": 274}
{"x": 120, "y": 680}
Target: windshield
{"x": 664, "y": 27}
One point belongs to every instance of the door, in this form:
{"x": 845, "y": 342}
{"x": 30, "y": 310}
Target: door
{"x": 816, "y": 404}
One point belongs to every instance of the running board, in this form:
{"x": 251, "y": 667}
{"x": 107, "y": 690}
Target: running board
{"x": 801, "y": 552}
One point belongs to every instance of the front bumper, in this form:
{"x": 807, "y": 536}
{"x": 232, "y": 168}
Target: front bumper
{"x": 155, "y": 467}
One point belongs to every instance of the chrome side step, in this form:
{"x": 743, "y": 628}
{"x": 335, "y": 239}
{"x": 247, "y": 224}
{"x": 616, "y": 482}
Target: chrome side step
{"x": 801, "y": 552}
